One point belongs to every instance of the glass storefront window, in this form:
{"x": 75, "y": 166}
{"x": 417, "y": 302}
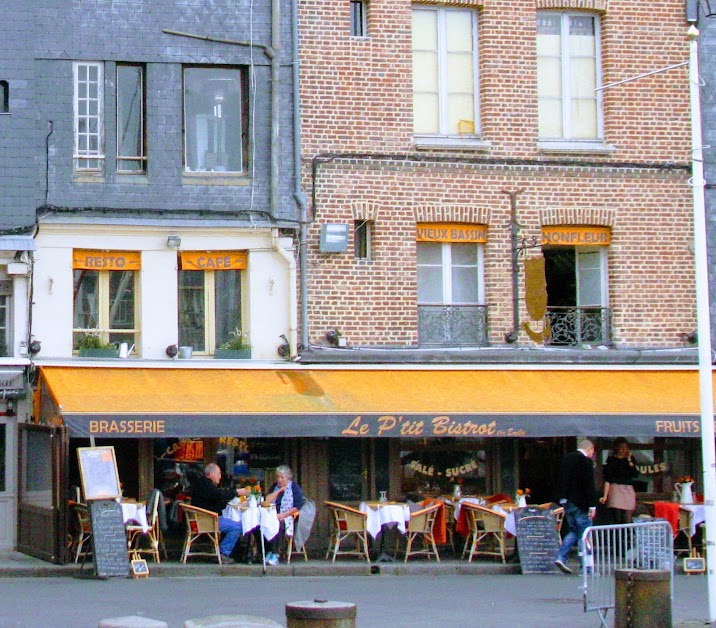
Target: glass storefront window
{"x": 436, "y": 467}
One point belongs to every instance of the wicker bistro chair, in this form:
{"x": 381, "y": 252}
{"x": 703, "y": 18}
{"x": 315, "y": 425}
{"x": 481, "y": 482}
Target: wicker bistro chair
{"x": 485, "y": 526}
{"x": 136, "y": 536}
{"x": 348, "y": 523}
{"x": 201, "y": 525}
{"x": 559, "y": 518}
{"x": 82, "y": 530}
{"x": 420, "y": 527}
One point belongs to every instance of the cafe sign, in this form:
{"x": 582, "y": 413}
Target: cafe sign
{"x": 213, "y": 260}
{"x": 88, "y": 259}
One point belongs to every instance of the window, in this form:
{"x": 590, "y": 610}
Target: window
{"x": 4, "y": 97}
{"x": 577, "y": 295}
{"x": 5, "y": 317}
{"x": 105, "y": 300}
{"x": 568, "y": 71}
{"x": 88, "y": 123}
{"x": 359, "y": 26}
{"x": 215, "y": 114}
{"x": 209, "y": 300}
{"x": 362, "y": 234}
{"x": 444, "y": 71}
{"x": 450, "y": 291}
{"x": 131, "y": 141}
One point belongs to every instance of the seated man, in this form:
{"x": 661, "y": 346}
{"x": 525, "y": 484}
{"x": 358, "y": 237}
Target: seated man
{"x": 205, "y": 493}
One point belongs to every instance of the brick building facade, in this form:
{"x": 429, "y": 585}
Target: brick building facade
{"x": 368, "y": 163}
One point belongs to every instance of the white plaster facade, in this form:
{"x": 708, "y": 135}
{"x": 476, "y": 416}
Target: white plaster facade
{"x": 268, "y": 301}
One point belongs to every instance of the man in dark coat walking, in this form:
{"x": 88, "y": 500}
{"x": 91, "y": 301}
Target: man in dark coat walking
{"x": 578, "y": 495}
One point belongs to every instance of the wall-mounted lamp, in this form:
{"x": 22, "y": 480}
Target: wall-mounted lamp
{"x": 174, "y": 241}
{"x": 335, "y": 338}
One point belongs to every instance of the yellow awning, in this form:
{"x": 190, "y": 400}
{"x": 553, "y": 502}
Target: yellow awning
{"x": 372, "y": 401}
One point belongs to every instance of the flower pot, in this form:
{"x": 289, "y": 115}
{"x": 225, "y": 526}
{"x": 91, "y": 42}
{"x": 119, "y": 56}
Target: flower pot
{"x": 233, "y": 354}
{"x": 110, "y": 352}
{"x": 185, "y": 353}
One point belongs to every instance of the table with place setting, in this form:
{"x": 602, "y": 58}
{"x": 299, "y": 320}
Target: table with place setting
{"x": 253, "y": 516}
{"x": 384, "y": 513}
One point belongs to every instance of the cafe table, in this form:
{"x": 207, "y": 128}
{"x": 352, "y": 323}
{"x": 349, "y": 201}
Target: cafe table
{"x": 379, "y": 514}
{"x": 252, "y": 517}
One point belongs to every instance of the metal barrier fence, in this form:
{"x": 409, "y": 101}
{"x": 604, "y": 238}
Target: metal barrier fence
{"x": 642, "y": 545}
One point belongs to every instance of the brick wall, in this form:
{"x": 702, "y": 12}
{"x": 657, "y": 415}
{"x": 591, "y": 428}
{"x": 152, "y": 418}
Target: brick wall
{"x": 356, "y": 96}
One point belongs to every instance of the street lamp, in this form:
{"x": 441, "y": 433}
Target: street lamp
{"x": 708, "y": 450}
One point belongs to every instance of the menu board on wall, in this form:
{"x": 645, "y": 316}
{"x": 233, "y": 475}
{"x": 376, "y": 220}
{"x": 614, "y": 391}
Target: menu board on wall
{"x": 98, "y": 472}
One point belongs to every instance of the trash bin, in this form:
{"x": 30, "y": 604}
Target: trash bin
{"x": 642, "y": 598}
{"x": 320, "y": 614}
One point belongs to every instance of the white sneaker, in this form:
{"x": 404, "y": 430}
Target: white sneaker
{"x": 272, "y": 559}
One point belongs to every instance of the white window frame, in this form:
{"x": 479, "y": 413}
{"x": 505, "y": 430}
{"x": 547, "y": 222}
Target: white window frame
{"x": 565, "y": 61}
{"x": 141, "y": 157}
{"x": 443, "y": 137}
{"x": 447, "y": 283}
{"x": 103, "y": 309}
{"x": 87, "y": 159}
{"x": 210, "y": 342}
{"x": 603, "y": 274}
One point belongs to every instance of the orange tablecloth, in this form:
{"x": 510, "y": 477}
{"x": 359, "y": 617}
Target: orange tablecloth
{"x": 670, "y": 512}
{"x": 440, "y": 527}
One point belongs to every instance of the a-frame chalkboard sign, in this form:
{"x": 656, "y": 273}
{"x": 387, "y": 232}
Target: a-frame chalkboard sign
{"x": 100, "y": 485}
{"x": 537, "y": 539}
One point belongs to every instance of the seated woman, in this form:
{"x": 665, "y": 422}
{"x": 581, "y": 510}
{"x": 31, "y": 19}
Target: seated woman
{"x": 288, "y": 497}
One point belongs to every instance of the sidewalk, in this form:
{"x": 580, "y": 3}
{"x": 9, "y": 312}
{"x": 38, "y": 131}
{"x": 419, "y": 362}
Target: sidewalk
{"x": 17, "y": 565}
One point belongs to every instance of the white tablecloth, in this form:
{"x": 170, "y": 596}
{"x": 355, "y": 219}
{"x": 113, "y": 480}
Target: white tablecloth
{"x": 253, "y": 517}
{"x": 135, "y": 514}
{"x": 388, "y": 514}
{"x": 510, "y": 524}
{"x": 470, "y": 500}
{"x": 698, "y": 515}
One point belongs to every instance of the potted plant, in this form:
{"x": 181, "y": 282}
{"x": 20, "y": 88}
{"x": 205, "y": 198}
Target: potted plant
{"x": 235, "y": 348}
{"x": 92, "y": 346}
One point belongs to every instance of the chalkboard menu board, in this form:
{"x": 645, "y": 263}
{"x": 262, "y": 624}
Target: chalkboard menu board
{"x": 537, "y": 539}
{"x": 109, "y": 539}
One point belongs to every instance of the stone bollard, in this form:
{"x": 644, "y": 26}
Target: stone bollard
{"x": 320, "y": 614}
{"x": 642, "y": 598}
{"x": 132, "y": 621}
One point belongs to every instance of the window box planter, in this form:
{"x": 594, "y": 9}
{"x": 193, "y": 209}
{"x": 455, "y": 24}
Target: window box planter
{"x": 233, "y": 354}
{"x": 111, "y": 352}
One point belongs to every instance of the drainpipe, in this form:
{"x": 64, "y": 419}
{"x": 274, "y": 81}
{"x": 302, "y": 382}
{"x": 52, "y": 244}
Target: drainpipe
{"x": 297, "y": 189}
{"x": 275, "y": 45}
{"x": 292, "y": 310}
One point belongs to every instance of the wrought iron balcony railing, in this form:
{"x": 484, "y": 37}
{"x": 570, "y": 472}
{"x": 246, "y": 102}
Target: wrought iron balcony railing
{"x": 452, "y": 325}
{"x": 580, "y": 325}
